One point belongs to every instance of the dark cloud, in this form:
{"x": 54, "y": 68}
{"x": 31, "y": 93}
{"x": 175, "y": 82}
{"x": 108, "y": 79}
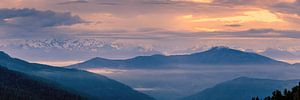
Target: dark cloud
{"x": 291, "y": 8}
{"x": 74, "y": 2}
{"x": 272, "y": 5}
{"x": 21, "y": 23}
{"x": 149, "y": 29}
{"x": 233, "y": 25}
{"x": 263, "y": 33}
{"x": 35, "y": 18}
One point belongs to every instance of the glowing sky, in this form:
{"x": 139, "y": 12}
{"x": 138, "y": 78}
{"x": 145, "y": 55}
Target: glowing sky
{"x": 164, "y": 26}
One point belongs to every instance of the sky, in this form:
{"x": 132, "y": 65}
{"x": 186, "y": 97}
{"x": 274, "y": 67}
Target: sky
{"x": 61, "y": 32}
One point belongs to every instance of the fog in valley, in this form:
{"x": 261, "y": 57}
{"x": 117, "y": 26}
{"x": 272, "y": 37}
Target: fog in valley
{"x": 184, "y": 80}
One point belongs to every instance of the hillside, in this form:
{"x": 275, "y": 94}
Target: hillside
{"x": 242, "y": 88}
{"x": 18, "y": 86}
{"x": 96, "y": 86}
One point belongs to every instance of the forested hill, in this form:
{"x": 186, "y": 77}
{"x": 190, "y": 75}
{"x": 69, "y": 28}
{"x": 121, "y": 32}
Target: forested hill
{"x": 18, "y": 86}
{"x": 293, "y": 94}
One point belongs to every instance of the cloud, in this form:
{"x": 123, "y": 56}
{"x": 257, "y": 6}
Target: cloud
{"x": 237, "y": 2}
{"x": 233, "y": 25}
{"x": 74, "y": 2}
{"x": 247, "y": 16}
{"x": 35, "y": 18}
{"x": 283, "y": 6}
{"x": 32, "y": 23}
{"x": 250, "y": 33}
{"x": 253, "y": 2}
{"x": 158, "y": 2}
{"x": 156, "y": 34}
{"x": 262, "y": 33}
{"x": 291, "y": 8}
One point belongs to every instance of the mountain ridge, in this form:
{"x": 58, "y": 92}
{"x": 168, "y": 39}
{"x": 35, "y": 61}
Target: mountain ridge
{"x": 213, "y": 56}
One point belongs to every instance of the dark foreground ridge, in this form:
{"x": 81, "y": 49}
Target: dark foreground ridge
{"x": 18, "y": 86}
{"x": 94, "y": 86}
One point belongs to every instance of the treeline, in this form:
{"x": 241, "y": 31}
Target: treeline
{"x": 293, "y": 94}
{"x": 19, "y": 86}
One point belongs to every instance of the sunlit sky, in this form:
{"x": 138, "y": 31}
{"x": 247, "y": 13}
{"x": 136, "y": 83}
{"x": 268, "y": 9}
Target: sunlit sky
{"x": 142, "y": 27}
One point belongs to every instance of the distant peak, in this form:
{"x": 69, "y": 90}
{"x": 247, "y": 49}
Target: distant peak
{"x": 220, "y": 48}
{"x": 98, "y": 58}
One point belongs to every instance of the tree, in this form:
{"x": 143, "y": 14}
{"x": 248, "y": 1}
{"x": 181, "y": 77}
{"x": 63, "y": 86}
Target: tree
{"x": 293, "y": 94}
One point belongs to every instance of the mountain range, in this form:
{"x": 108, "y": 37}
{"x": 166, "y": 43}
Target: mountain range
{"x": 213, "y": 66}
{"x": 95, "y": 86}
{"x": 213, "y": 56}
{"x": 242, "y": 88}
{"x": 99, "y": 87}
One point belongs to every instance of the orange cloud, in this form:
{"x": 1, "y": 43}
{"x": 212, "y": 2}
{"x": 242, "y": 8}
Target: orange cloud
{"x": 247, "y": 16}
{"x": 248, "y": 19}
{"x": 10, "y": 3}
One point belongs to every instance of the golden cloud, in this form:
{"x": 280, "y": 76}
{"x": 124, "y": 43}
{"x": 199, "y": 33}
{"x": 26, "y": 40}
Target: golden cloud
{"x": 247, "y": 16}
